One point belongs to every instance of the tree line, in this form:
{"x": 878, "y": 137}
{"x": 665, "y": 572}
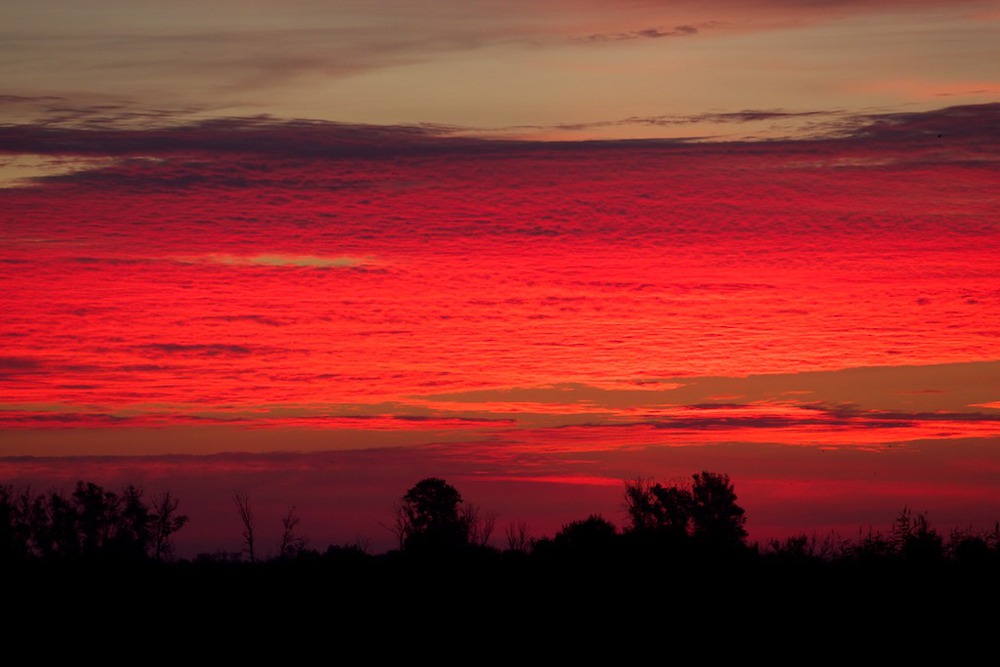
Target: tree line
{"x": 693, "y": 521}
{"x": 433, "y": 517}
{"x": 90, "y": 524}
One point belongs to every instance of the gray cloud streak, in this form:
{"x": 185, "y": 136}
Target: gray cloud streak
{"x": 647, "y": 33}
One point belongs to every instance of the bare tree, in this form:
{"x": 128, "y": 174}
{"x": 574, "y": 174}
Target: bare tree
{"x": 517, "y": 537}
{"x": 242, "y": 501}
{"x": 166, "y": 522}
{"x": 291, "y": 542}
{"x": 479, "y": 524}
{"x": 399, "y": 526}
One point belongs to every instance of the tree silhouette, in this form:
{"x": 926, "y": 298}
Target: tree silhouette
{"x": 15, "y": 526}
{"x": 640, "y": 505}
{"x": 915, "y": 540}
{"x": 595, "y": 534}
{"x": 94, "y": 510}
{"x": 480, "y": 524}
{"x": 518, "y": 539}
{"x": 654, "y": 508}
{"x": 166, "y": 522}
{"x": 292, "y": 544}
{"x": 91, "y": 524}
{"x": 132, "y": 530}
{"x": 430, "y": 517}
{"x": 242, "y": 501}
{"x": 706, "y": 513}
{"x": 716, "y": 518}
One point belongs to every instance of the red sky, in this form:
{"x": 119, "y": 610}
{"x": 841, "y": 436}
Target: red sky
{"x": 793, "y": 283}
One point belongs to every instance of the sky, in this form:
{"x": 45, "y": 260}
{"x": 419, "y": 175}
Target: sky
{"x": 316, "y": 251}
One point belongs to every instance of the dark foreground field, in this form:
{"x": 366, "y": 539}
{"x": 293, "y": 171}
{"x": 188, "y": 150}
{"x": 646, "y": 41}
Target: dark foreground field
{"x": 680, "y": 580}
{"x": 504, "y": 602}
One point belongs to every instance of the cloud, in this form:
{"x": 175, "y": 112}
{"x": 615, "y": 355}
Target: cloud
{"x": 811, "y": 424}
{"x": 38, "y": 419}
{"x": 843, "y": 416}
{"x": 648, "y": 33}
{"x": 195, "y": 350}
{"x": 977, "y": 123}
{"x": 18, "y": 368}
{"x": 837, "y": 408}
{"x": 456, "y": 302}
{"x": 368, "y": 62}
{"x": 206, "y": 152}
{"x": 819, "y": 118}
{"x": 256, "y": 135}
{"x": 255, "y": 319}
{"x": 31, "y": 100}
{"x": 947, "y": 388}
{"x": 19, "y": 364}
{"x": 290, "y": 260}
{"x": 966, "y": 123}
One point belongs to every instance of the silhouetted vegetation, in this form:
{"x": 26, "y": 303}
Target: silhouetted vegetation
{"x": 679, "y": 532}
{"x": 591, "y": 539}
{"x": 702, "y": 517}
{"x": 90, "y": 525}
{"x": 432, "y": 518}
{"x": 680, "y": 563}
{"x": 241, "y": 499}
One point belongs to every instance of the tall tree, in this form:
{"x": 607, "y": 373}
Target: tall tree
{"x": 430, "y": 517}
{"x": 716, "y": 518}
{"x": 292, "y": 543}
{"x": 654, "y": 508}
{"x": 166, "y": 521}
{"x": 15, "y": 507}
{"x": 242, "y": 501}
{"x": 90, "y": 524}
{"x": 705, "y": 513}
{"x": 132, "y": 537}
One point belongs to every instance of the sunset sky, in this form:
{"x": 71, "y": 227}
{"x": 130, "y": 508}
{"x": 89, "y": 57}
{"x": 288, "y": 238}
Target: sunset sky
{"x": 316, "y": 251}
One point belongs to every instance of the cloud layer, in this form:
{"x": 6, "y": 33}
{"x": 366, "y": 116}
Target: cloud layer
{"x": 365, "y": 281}
{"x": 482, "y": 65}
{"x": 322, "y": 314}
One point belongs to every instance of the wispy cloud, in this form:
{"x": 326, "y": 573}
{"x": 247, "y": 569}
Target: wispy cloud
{"x": 284, "y": 260}
{"x": 195, "y": 350}
{"x": 647, "y": 33}
{"x": 302, "y": 139}
{"x": 889, "y": 390}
